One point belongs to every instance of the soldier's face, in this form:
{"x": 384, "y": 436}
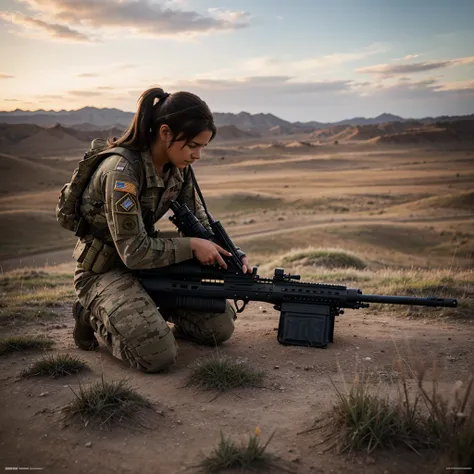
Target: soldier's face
{"x": 182, "y": 154}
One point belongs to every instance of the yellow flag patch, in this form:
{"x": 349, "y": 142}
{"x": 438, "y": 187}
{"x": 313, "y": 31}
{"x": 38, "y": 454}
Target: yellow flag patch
{"x": 125, "y": 187}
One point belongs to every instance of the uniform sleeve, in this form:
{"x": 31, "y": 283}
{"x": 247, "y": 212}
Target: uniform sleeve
{"x": 189, "y": 197}
{"x": 124, "y": 217}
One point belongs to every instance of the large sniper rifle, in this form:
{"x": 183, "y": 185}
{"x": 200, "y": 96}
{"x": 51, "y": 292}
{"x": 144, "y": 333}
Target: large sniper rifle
{"x": 307, "y": 310}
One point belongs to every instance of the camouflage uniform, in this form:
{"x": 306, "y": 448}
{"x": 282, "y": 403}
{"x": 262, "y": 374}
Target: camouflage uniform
{"x": 120, "y": 311}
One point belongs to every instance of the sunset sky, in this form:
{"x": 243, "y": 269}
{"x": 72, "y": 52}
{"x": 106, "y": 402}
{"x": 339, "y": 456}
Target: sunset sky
{"x": 300, "y": 60}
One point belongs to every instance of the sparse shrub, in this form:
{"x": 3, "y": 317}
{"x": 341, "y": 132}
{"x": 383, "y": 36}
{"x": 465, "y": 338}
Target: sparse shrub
{"x": 21, "y": 343}
{"x": 106, "y": 403}
{"x": 363, "y": 418}
{"x": 249, "y": 455}
{"x": 222, "y": 373}
{"x": 55, "y": 366}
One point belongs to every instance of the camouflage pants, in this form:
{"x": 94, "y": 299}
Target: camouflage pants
{"x": 125, "y": 317}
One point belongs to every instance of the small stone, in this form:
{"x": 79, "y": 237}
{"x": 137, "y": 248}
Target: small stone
{"x": 367, "y": 358}
{"x": 276, "y": 367}
{"x": 369, "y": 460}
{"x": 281, "y": 388}
{"x": 179, "y": 422}
{"x": 88, "y": 444}
{"x": 291, "y": 450}
{"x": 42, "y": 394}
{"x": 296, "y": 459}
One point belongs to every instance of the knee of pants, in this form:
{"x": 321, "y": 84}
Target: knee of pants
{"x": 225, "y": 323}
{"x": 163, "y": 355}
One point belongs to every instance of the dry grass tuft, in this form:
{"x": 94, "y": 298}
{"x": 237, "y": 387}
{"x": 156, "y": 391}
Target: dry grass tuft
{"x": 22, "y": 343}
{"x": 221, "y": 373}
{"x": 106, "y": 403}
{"x": 55, "y": 366}
{"x": 250, "y": 455}
{"x": 322, "y": 257}
{"x": 29, "y": 295}
{"x": 366, "y": 418}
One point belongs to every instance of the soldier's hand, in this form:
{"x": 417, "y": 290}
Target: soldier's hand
{"x": 208, "y": 253}
{"x": 245, "y": 265}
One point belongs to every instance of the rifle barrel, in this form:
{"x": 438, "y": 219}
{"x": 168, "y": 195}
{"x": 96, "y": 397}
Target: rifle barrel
{"x": 409, "y": 300}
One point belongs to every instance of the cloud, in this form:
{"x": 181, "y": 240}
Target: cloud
{"x": 137, "y": 17}
{"x": 408, "y": 57}
{"x": 459, "y": 86}
{"x": 5, "y": 76}
{"x": 268, "y": 85}
{"x": 429, "y": 89}
{"x": 390, "y": 70}
{"x": 54, "y": 30}
{"x": 309, "y": 68}
{"x": 85, "y": 93}
{"x": 87, "y": 74}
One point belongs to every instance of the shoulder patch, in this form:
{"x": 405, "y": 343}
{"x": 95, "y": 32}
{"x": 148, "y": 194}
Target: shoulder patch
{"x": 125, "y": 187}
{"x": 119, "y": 167}
{"x": 126, "y": 203}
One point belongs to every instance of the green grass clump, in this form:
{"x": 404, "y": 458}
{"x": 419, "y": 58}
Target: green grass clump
{"x": 21, "y": 343}
{"x": 222, "y": 373}
{"x": 329, "y": 258}
{"x": 249, "y": 455}
{"x": 55, "y": 366}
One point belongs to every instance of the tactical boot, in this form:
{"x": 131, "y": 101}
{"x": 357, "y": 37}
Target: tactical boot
{"x": 83, "y": 333}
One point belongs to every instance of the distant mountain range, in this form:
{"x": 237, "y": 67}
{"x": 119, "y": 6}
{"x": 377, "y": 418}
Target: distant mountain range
{"x": 92, "y": 118}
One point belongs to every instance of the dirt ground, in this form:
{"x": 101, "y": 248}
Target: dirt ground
{"x": 297, "y": 390}
{"x": 398, "y": 208}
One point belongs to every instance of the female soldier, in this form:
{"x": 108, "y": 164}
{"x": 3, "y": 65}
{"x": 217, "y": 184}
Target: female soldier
{"x": 120, "y": 205}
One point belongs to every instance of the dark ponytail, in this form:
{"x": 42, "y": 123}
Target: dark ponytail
{"x": 185, "y": 113}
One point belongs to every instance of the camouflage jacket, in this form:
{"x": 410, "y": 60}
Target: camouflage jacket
{"x": 123, "y": 213}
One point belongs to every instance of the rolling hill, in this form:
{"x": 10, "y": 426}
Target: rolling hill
{"x": 92, "y": 118}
